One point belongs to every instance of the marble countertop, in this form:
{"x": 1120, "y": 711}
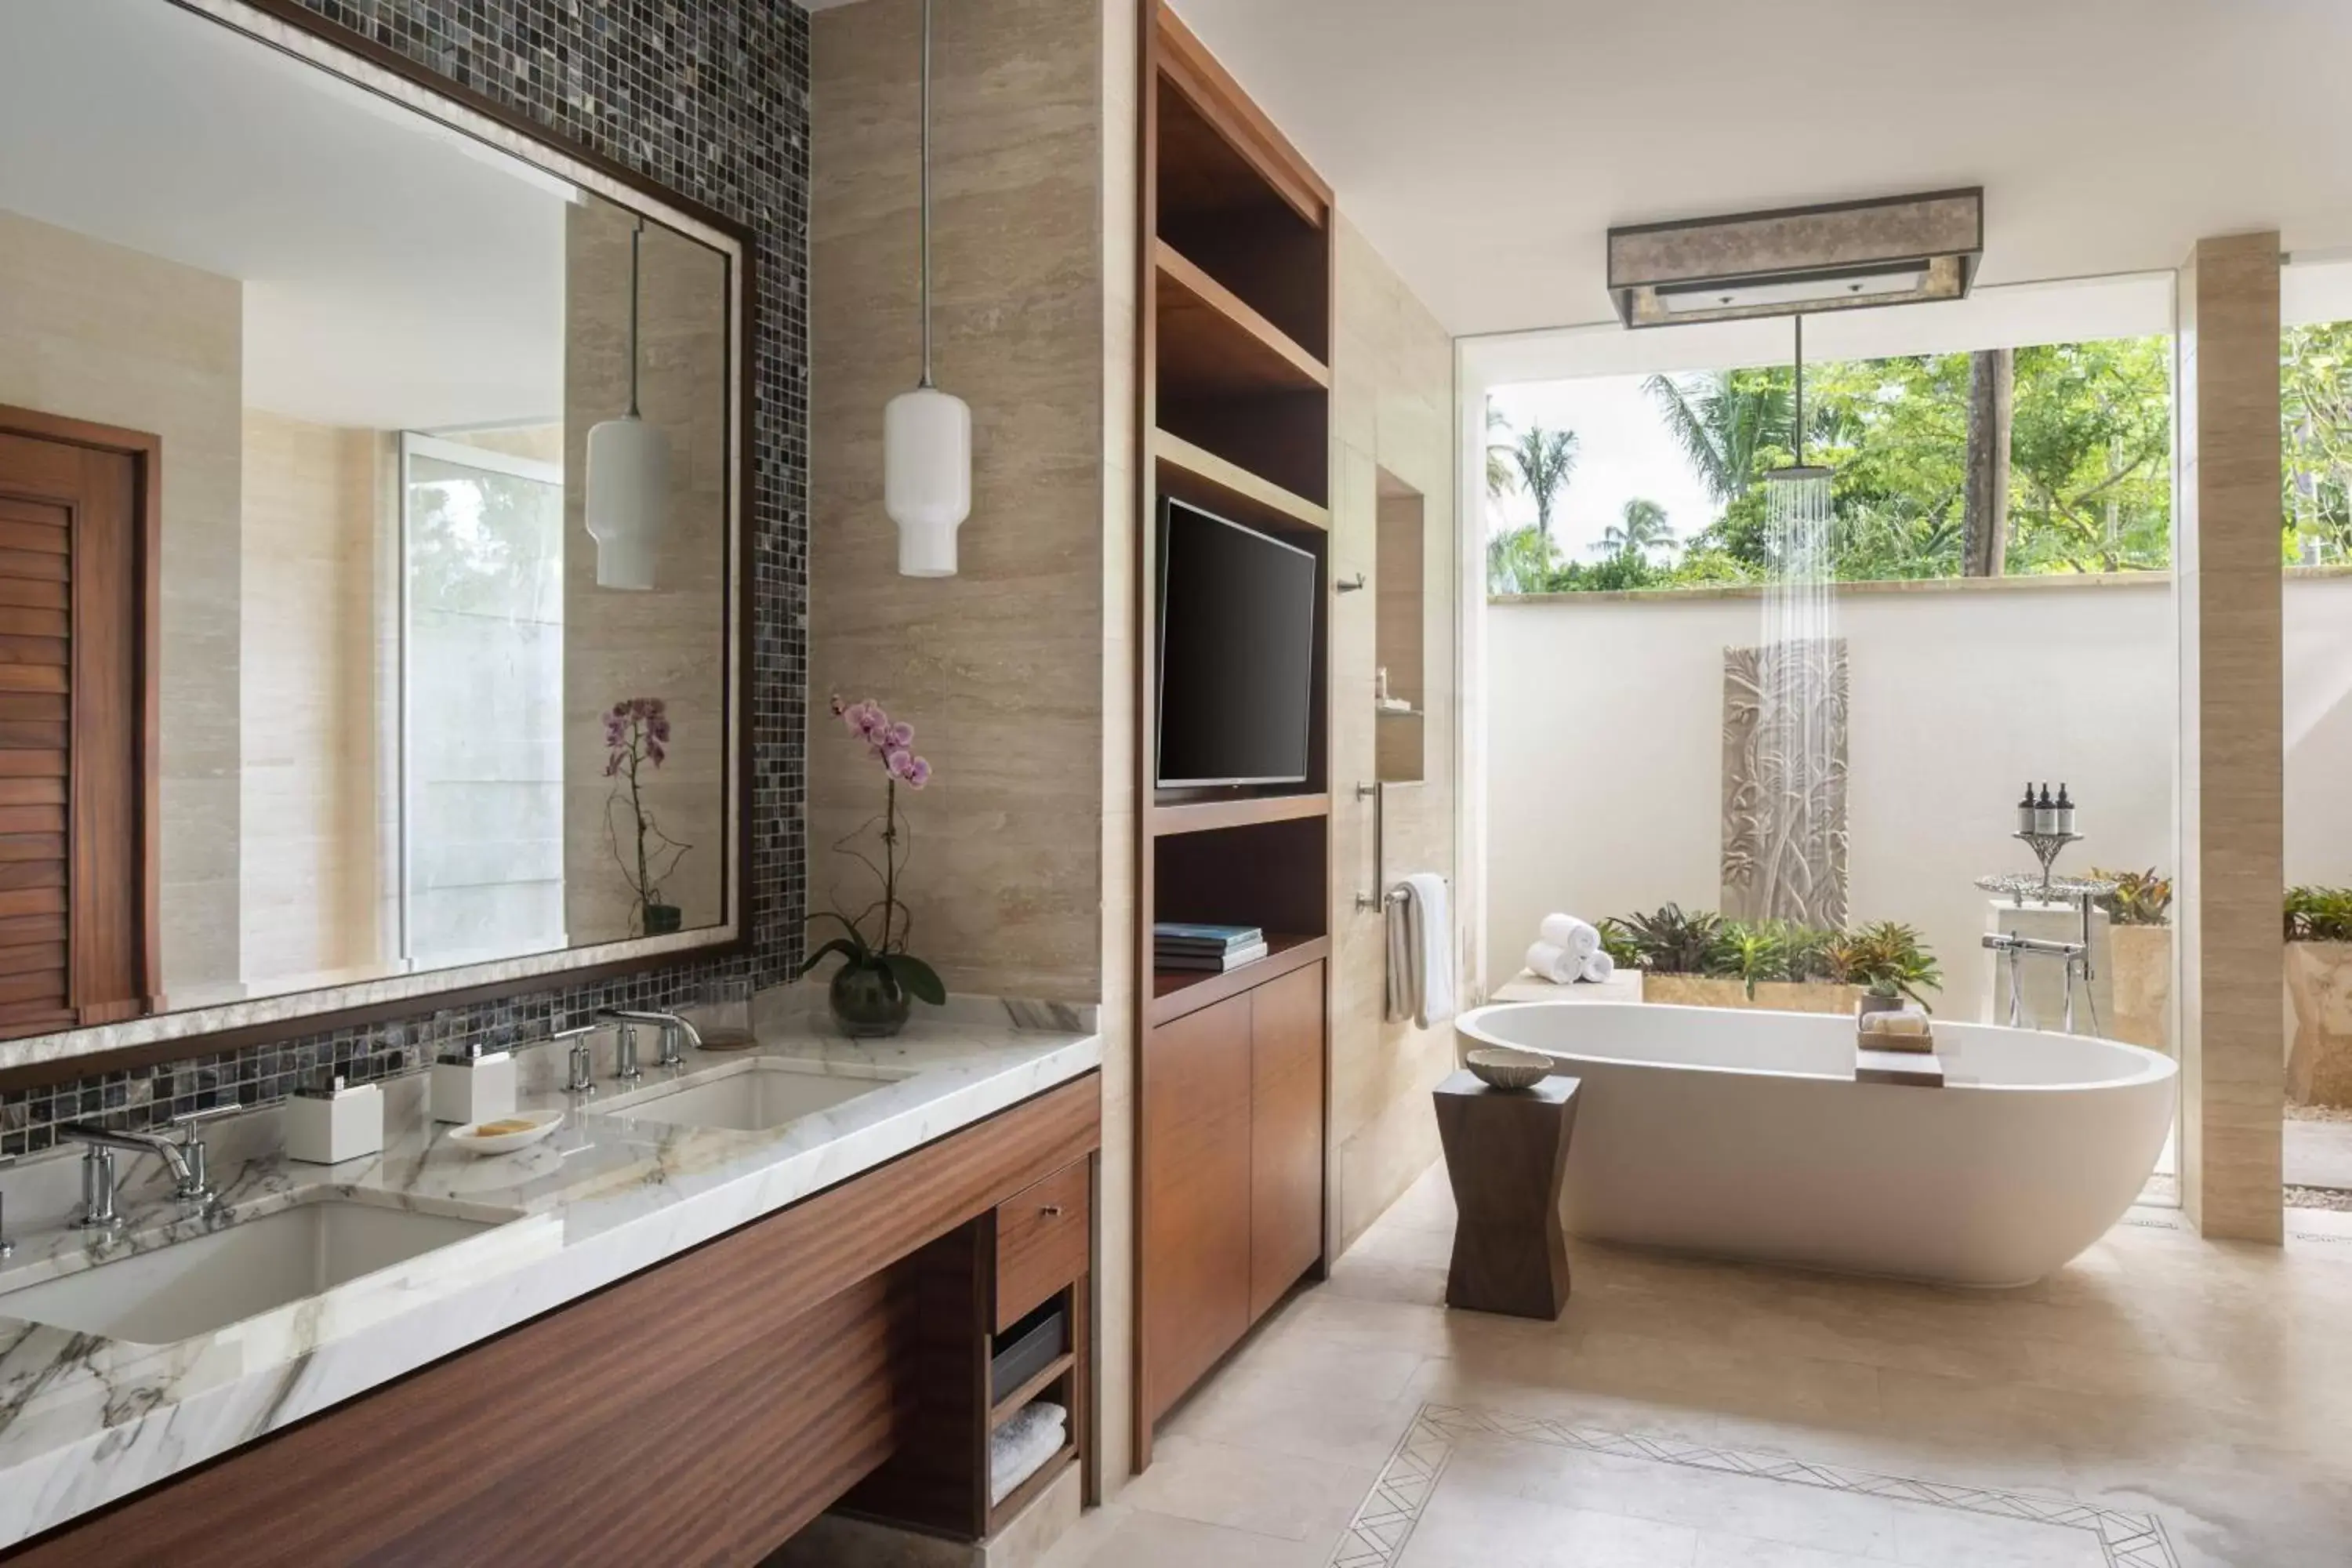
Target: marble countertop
{"x": 85, "y": 1419}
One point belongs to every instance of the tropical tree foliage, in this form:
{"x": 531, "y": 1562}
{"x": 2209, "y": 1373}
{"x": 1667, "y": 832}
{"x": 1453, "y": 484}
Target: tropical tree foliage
{"x": 1644, "y": 530}
{"x": 1543, "y": 461}
{"x": 2089, "y": 481}
{"x": 2316, "y": 389}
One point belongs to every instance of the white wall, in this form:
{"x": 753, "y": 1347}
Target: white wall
{"x": 1604, "y": 783}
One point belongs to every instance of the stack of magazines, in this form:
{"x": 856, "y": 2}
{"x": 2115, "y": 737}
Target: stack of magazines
{"x": 1178, "y": 945}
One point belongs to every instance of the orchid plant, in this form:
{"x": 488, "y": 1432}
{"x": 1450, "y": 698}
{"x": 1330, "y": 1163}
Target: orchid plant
{"x": 862, "y": 946}
{"x": 636, "y": 739}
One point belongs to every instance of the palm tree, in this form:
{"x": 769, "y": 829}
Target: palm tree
{"x": 1545, "y": 460}
{"x": 1644, "y": 530}
{"x": 1500, "y": 480}
{"x": 1723, "y": 418}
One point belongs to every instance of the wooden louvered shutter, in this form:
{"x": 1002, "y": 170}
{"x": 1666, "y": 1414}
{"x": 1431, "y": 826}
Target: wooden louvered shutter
{"x": 77, "y": 898}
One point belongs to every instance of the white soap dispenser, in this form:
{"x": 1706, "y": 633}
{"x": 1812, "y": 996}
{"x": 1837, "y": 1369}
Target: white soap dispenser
{"x": 333, "y": 1121}
{"x": 471, "y": 1084}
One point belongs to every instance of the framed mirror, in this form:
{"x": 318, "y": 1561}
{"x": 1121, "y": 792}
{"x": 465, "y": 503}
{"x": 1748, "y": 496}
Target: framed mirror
{"x": 373, "y": 610}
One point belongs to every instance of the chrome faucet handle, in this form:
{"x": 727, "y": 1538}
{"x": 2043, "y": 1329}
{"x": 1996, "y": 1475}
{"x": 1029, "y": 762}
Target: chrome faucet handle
{"x": 625, "y": 1052}
{"x": 98, "y": 1212}
{"x": 196, "y": 1187}
{"x": 674, "y": 1029}
{"x": 6, "y": 1245}
{"x": 581, "y": 1060}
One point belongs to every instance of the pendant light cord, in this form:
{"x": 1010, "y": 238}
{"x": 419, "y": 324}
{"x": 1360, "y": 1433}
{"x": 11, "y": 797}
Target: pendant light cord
{"x": 637, "y": 240}
{"x": 926, "y": 247}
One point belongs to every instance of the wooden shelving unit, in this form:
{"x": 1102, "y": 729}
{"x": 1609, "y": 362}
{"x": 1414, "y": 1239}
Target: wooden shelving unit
{"x": 1228, "y": 488}
{"x": 1234, "y": 417}
{"x": 1243, "y": 811}
{"x": 1212, "y": 344}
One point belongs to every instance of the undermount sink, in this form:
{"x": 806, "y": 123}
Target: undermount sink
{"x": 178, "y": 1290}
{"x": 755, "y": 1095}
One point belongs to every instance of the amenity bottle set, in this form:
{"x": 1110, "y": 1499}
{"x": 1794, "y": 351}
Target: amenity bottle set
{"x": 2039, "y": 814}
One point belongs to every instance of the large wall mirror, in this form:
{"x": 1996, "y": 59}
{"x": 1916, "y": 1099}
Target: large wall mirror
{"x": 370, "y": 608}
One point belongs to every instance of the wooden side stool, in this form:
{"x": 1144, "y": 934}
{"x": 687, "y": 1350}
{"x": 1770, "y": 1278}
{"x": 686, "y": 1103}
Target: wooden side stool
{"x": 1506, "y": 1157}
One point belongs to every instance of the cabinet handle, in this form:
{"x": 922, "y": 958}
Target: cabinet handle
{"x": 1051, "y": 1211}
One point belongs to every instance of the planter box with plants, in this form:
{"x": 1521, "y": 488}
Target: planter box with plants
{"x": 2139, "y": 957}
{"x": 2319, "y": 987}
{"x": 1701, "y": 960}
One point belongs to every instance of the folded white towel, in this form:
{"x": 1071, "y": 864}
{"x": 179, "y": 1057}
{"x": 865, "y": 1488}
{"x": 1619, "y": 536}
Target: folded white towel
{"x": 1545, "y": 961}
{"x": 1576, "y": 938}
{"x": 1020, "y": 1447}
{"x": 1599, "y": 967}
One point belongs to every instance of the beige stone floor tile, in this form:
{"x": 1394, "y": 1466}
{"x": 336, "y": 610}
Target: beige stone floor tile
{"x": 1140, "y": 1539}
{"x": 1719, "y": 1550}
{"x": 1470, "y": 1528}
{"x": 1342, "y": 1427}
{"x": 1256, "y": 1490}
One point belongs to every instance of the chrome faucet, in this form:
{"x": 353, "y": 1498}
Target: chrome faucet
{"x": 6, "y": 1245}
{"x": 184, "y": 1157}
{"x": 582, "y": 1062}
{"x": 673, "y": 1028}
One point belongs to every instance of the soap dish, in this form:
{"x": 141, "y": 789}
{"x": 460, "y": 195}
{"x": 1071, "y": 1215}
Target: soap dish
{"x": 535, "y": 1125}
{"x": 1504, "y": 1067}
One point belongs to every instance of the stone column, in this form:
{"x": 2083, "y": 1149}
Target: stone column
{"x": 2233, "y": 861}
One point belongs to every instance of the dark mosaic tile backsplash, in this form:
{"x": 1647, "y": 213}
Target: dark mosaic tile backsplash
{"x": 709, "y": 98}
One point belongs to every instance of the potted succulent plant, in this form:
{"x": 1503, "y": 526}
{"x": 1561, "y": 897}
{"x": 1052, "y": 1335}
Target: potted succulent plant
{"x": 1889, "y": 961}
{"x": 2319, "y": 984}
{"x": 873, "y": 990}
{"x": 636, "y": 742}
{"x": 2140, "y": 956}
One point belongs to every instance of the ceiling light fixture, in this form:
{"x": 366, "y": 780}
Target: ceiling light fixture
{"x": 628, "y": 475}
{"x": 1895, "y": 250}
{"x": 927, "y": 433}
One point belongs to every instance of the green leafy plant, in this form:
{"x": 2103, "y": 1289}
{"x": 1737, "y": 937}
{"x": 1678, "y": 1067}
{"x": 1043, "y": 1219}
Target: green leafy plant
{"x": 2140, "y": 899}
{"x": 1888, "y": 957}
{"x": 1619, "y": 943}
{"x": 1750, "y": 951}
{"x": 1668, "y": 942}
{"x": 2319, "y": 914}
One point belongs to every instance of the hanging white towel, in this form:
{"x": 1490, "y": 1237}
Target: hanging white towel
{"x": 1428, "y": 948}
{"x": 1578, "y": 939}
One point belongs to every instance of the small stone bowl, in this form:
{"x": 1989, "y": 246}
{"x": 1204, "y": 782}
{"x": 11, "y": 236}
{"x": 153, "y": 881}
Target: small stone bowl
{"x": 1503, "y": 1067}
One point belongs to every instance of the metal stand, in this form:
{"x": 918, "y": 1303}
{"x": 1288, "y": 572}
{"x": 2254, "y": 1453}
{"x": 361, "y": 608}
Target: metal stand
{"x": 2083, "y": 892}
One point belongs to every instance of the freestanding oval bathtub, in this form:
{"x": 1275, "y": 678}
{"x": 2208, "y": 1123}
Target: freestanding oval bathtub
{"x": 1743, "y": 1134}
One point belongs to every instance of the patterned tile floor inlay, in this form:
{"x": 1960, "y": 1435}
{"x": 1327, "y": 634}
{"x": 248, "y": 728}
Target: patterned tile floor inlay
{"x": 1384, "y": 1525}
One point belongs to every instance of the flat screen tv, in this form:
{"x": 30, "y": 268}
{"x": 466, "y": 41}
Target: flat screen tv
{"x": 1236, "y": 653}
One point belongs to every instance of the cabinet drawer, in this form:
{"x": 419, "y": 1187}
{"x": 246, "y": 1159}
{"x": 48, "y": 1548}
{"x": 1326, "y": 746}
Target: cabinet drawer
{"x": 1040, "y": 1241}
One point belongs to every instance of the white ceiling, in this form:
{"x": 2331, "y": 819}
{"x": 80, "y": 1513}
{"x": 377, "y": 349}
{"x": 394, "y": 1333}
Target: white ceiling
{"x": 1485, "y": 146}
{"x": 398, "y": 274}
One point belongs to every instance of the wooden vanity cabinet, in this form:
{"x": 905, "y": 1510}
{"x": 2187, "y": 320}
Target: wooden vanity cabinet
{"x": 700, "y": 1411}
{"x": 1232, "y": 1171}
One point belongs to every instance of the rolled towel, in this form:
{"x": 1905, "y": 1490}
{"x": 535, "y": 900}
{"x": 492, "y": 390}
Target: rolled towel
{"x": 1573, "y": 937}
{"x": 1020, "y": 1447}
{"x": 1549, "y": 962}
{"x": 1599, "y": 967}
{"x": 1896, "y": 1023}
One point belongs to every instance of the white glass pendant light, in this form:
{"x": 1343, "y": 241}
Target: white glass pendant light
{"x": 628, "y": 475}
{"x": 927, "y": 433}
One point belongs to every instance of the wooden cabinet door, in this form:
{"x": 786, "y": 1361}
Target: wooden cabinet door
{"x": 1285, "y": 1133}
{"x": 1196, "y": 1196}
